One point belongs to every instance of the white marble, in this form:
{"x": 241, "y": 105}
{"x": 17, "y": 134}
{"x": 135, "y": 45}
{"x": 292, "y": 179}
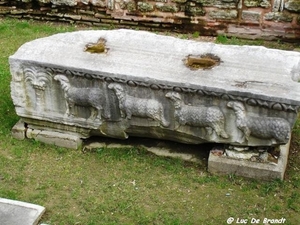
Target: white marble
{"x": 140, "y": 84}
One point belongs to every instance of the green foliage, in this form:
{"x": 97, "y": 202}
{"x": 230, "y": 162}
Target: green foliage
{"x": 271, "y": 187}
{"x": 296, "y": 130}
{"x": 196, "y": 34}
{"x": 184, "y": 36}
{"x": 221, "y": 39}
{"x": 13, "y": 33}
{"x": 293, "y": 201}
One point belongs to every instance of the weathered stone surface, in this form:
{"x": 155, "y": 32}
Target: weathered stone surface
{"x": 257, "y": 3}
{"x": 64, "y": 2}
{"x": 145, "y": 7}
{"x": 182, "y": 9}
{"x": 194, "y": 10}
{"x": 110, "y": 21}
{"x": 100, "y": 15}
{"x": 53, "y": 137}
{"x": 278, "y": 5}
{"x": 223, "y": 14}
{"x": 87, "y": 12}
{"x": 241, "y": 155}
{"x": 280, "y": 17}
{"x": 255, "y": 32}
{"x": 166, "y": 7}
{"x": 222, "y": 164}
{"x": 131, "y": 6}
{"x": 17, "y": 12}
{"x": 14, "y": 212}
{"x": 19, "y": 130}
{"x": 44, "y": 1}
{"x": 116, "y": 5}
{"x": 179, "y": 1}
{"x": 101, "y": 3}
{"x": 251, "y": 15}
{"x": 73, "y": 16}
{"x": 252, "y": 3}
{"x": 229, "y": 4}
{"x": 293, "y": 5}
{"x": 60, "y": 15}
{"x": 89, "y": 18}
{"x": 111, "y": 91}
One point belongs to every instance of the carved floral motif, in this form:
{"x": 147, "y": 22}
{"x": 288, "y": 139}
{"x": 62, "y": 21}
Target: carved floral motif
{"x": 39, "y": 79}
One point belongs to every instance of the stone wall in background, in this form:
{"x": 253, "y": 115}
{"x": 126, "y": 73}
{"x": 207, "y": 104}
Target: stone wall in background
{"x": 266, "y": 19}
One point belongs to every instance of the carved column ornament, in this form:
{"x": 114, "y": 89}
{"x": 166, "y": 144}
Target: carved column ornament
{"x": 39, "y": 79}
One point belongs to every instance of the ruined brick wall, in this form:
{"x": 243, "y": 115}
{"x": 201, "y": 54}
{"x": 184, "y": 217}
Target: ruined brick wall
{"x": 267, "y": 19}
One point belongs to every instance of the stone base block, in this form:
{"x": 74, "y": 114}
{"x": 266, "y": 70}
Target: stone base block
{"x": 257, "y": 170}
{"x": 72, "y": 141}
{"x": 19, "y": 130}
{"x": 48, "y": 136}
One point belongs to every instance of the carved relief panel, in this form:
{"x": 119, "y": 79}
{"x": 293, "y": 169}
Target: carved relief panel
{"x": 118, "y": 108}
{"x": 37, "y": 80}
{"x": 92, "y": 98}
{"x": 262, "y": 127}
{"x": 211, "y": 118}
{"x": 141, "y": 107}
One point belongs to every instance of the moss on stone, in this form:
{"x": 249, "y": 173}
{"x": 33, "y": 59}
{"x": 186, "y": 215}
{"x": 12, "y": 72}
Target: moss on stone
{"x": 280, "y": 17}
{"x": 257, "y": 3}
{"x": 179, "y": 1}
{"x": 223, "y": 14}
{"x": 293, "y": 5}
{"x": 192, "y": 10}
{"x": 131, "y": 6}
{"x": 145, "y": 7}
{"x": 167, "y": 7}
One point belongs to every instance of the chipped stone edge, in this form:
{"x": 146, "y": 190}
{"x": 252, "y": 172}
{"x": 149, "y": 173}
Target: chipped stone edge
{"x": 40, "y": 209}
{"x": 245, "y": 168}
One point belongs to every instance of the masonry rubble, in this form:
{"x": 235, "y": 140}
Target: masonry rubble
{"x": 246, "y": 19}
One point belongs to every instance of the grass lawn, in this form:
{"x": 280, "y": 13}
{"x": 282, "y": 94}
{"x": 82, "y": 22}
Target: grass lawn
{"x": 128, "y": 185}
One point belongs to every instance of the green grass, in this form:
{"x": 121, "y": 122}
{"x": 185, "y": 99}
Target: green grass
{"x": 128, "y": 185}
{"x": 223, "y": 39}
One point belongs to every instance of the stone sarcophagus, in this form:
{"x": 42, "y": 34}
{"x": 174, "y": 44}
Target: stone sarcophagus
{"x": 121, "y": 83}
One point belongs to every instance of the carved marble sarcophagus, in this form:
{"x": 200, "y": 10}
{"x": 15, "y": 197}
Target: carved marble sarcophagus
{"x": 122, "y": 83}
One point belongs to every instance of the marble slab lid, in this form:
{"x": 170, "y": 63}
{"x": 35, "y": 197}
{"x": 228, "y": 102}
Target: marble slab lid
{"x": 248, "y": 71}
